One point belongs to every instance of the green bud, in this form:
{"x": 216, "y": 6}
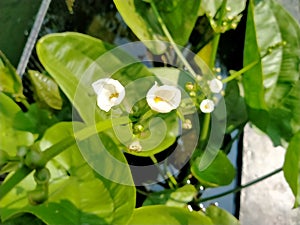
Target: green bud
{"x": 42, "y": 176}
{"x": 192, "y": 94}
{"x": 189, "y": 86}
{"x": 34, "y": 159}
{"x": 22, "y": 150}
{"x": 138, "y": 128}
{"x": 38, "y": 196}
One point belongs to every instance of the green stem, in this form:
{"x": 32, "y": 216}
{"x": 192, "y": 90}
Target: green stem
{"x": 168, "y": 35}
{"x": 237, "y": 189}
{"x": 204, "y": 130}
{"x": 216, "y": 39}
{"x": 57, "y": 148}
{"x": 172, "y": 181}
{"x": 19, "y": 175}
{"x": 25, "y": 103}
{"x": 215, "y": 44}
{"x": 239, "y": 73}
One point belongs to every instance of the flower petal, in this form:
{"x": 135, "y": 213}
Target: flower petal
{"x": 207, "y": 106}
{"x": 109, "y": 92}
{"x": 163, "y": 98}
{"x": 215, "y": 85}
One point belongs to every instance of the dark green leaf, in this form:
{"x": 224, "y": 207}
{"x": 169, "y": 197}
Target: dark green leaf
{"x": 76, "y": 194}
{"x": 11, "y": 138}
{"x": 46, "y": 91}
{"x": 179, "y": 16}
{"x": 291, "y": 167}
{"x": 167, "y": 215}
{"x": 179, "y": 197}
{"x": 10, "y": 82}
{"x": 220, "y": 216}
{"x": 219, "y": 172}
{"x": 35, "y": 120}
{"x": 236, "y": 110}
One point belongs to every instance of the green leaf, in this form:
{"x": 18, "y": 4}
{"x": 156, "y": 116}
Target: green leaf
{"x": 35, "y": 120}
{"x": 10, "y": 82}
{"x": 76, "y": 194}
{"x": 179, "y": 197}
{"x": 167, "y": 215}
{"x": 11, "y": 138}
{"x": 236, "y": 110}
{"x": 179, "y": 16}
{"x": 272, "y": 86}
{"x": 291, "y": 167}
{"x": 220, "y": 216}
{"x": 220, "y": 172}
{"x": 252, "y": 79}
{"x": 67, "y": 57}
{"x": 284, "y": 100}
{"x": 46, "y": 91}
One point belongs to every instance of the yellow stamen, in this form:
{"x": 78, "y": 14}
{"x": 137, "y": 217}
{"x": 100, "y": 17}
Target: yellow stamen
{"x": 158, "y": 99}
{"x": 113, "y": 95}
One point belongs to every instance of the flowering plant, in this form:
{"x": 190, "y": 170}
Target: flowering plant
{"x": 137, "y": 129}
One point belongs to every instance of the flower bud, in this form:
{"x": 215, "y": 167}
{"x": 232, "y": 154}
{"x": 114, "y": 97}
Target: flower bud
{"x": 42, "y": 176}
{"x": 38, "y": 196}
{"x": 34, "y": 159}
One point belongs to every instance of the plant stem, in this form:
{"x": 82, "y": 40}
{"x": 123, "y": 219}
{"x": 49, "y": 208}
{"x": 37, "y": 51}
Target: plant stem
{"x": 204, "y": 130}
{"x": 216, "y": 39}
{"x": 172, "y": 181}
{"x": 168, "y": 35}
{"x": 240, "y": 72}
{"x": 57, "y": 148}
{"x": 19, "y": 175}
{"x": 237, "y": 189}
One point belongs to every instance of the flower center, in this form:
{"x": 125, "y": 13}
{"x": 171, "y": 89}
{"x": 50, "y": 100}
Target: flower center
{"x": 113, "y": 95}
{"x": 158, "y": 99}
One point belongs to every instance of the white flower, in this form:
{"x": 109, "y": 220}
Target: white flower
{"x": 109, "y": 92}
{"x": 215, "y": 85}
{"x": 207, "y": 106}
{"x": 135, "y": 146}
{"x": 163, "y": 98}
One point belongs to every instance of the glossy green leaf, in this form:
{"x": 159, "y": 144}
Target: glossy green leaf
{"x": 76, "y": 194}
{"x": 179, "y": 16}
{"x": 252, "y": 79}
{"x": 220, "y": 216}
{"x": 167, "y": 215}
{"x": 291, "y": 167}
{"x": 45, "y": 90}
{"x": 10, "y": 81}
{"x": 68, "y": 57}
{"x": 11, "y": 138}
{"x": 272, "y": 86}
{"x": 220, "y": 172}
{"x": 284, "y": 101}
{"x": 35, "y": 120}
{"x": 179, "y": 197}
